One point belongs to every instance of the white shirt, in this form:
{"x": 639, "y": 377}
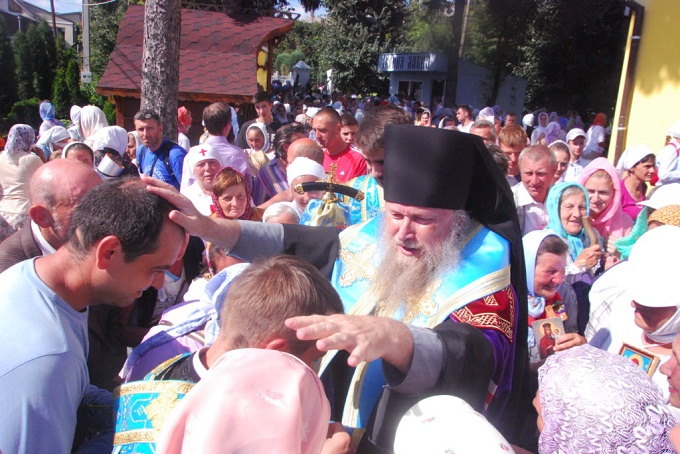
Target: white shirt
{"x": 45, "y": 247}
{"x": 667, "y": 162}
{"x": 200, "y": 199}
{"x": 574, "y": 170}
{"x": 532, "y": 215}
{"x": 467, "y": 128}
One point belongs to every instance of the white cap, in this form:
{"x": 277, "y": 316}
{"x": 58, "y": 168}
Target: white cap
{"x": 312, "y": 111}
{"x": 201, "y": 153}
{"x": 668, "y": 194}
{"x": 304, "y": 166}
{"x": 650, "y": 273}
{"x": 674, "y": 130}
{"x": 442, "y": 424}
{"x": 574, "y": 133}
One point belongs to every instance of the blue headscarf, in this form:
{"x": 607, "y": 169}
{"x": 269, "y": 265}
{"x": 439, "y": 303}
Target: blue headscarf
{"x": 46, "y": 111}
{"x": 552, "y": 203}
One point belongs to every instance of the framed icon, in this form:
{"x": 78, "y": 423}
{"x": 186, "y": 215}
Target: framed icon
{"x": 645, "y": 360}
{"x": 546, "y": 333}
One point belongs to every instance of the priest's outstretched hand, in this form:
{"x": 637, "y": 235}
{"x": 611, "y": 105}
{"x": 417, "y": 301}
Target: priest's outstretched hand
{"x": 365, "y": 337}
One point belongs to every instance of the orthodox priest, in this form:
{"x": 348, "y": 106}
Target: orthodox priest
{"x": 433, "y": 287}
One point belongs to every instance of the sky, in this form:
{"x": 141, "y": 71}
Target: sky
{"x": 67, "y": 6}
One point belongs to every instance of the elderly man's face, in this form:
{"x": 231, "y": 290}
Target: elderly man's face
{"x": 416, "y": 231}
{"x": 537, "y": 177}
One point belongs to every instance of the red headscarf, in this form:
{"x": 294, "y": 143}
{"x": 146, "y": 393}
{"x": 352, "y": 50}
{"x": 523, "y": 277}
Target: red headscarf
{"x": 183, "y": 119}
{"x": 600, "y": 120}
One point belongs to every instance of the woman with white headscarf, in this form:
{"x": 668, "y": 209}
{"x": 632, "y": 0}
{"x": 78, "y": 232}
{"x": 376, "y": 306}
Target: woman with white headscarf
{"x": 54, "y": 139}
{"x": 74, "y": 129}
{"x": 636, "y": 167}
{"x": 642, "y": 299}
{"x": 92, "y": 119}
{"x": 110, "y": 158}
{"x": 17, "y": 165}
{"x": 545, "y": 258}
{"x": 540, "y": 128}
{"x": 592, "y": 401}
{"x": 258, "y": 140}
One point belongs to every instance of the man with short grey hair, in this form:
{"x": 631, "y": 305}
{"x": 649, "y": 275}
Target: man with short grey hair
{"x": 537, "y": 166}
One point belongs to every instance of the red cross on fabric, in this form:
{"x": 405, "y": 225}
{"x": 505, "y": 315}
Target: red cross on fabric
{"x": 203, "y": 152}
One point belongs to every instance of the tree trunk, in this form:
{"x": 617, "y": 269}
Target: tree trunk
{"x": 160, "y": 62}
{"x": 456, "y": 35}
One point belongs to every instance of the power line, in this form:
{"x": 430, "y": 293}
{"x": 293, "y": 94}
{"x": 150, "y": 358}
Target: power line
{"x": 86, "y": 4}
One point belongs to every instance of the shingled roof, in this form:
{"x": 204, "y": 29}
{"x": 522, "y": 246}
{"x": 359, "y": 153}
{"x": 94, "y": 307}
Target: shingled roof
{"x": 218, "y": 54}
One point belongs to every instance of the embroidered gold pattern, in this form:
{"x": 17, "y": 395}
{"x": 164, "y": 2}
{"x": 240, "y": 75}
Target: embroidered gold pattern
{"x": 489, "y": 320}
{"x": 490, "y": 301}
{"x": 425, "y": 306}
{"x": 159, "y": 409}
{"x": 357, "y": 265}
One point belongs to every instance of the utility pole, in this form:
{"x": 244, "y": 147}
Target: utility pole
{"x": 85, "y": 72}
{"x": 54, "y": 20}
{"x": 457, "y": 24}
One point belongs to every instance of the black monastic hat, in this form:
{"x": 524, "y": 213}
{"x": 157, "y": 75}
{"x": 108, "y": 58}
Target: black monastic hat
{"x": 438, "y": 168}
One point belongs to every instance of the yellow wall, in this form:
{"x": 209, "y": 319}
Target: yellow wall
{"x": 655, "y": 103}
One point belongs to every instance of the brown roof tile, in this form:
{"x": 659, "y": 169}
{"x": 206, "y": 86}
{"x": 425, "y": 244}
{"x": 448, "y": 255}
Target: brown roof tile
{"x": 218, "y": 53}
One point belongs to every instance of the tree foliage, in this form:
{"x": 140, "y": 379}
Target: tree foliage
{"x": 429, "y": 29}
{"x": 285, "y": 61}
{"x": 573, "y": 57}
{"x": 496, "y": 35}
{"x": 304, "y": 38}
{"x": 66, "y": 90}
{"x": 104, "y": 22}
{"x": 41, "y": 39}
{"x": 354, "y": 33}
{"x": 23, "y": 55}
{"x": 8, "y": 82}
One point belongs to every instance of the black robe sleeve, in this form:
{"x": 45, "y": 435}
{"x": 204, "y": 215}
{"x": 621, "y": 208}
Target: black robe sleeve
{"x": 466, "y": 373}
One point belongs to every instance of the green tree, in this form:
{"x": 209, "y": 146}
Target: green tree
{"x": 497, "y": 33}
{"x": 8, "y": 82}
{"x": 305, "y": 38}
{"x": 61, "y": 98}
{"x": 41, "y": 39}
{"x": 574, "y": 54}
{"x": 354, "y": 33}
{"x": 104, "y": 21}
{"x": 23, "y": 56}
{"x": 429, "y": 29}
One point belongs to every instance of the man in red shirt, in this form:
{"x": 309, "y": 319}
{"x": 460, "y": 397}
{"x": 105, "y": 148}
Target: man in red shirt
{"x": 348, "y": 162}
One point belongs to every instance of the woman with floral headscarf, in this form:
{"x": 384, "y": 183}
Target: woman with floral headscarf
{"x": 17, "y": 165}
{"x": 591, "y": 401}
{"x": 231, "y": 198}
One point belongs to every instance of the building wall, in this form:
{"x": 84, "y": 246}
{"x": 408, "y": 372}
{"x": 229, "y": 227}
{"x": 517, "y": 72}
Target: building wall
{"x": 656, "y": 91}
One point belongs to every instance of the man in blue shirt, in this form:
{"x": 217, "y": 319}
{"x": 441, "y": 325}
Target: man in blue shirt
{"x": 121, "y": 242}
{"x": 158, "y": 157}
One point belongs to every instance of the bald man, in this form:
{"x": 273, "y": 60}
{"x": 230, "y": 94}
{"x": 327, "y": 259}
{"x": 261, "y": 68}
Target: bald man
{"x": 306, "y": 148}
{"x": 348, "y": 163}
{"x": 55, "y": 189}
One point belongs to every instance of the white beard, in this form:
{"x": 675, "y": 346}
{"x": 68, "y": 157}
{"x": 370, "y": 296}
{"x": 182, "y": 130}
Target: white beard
{"x": 402, "y": 279}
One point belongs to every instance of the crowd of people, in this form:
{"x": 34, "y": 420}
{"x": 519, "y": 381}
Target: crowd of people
{"x": 314, "y": 274}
